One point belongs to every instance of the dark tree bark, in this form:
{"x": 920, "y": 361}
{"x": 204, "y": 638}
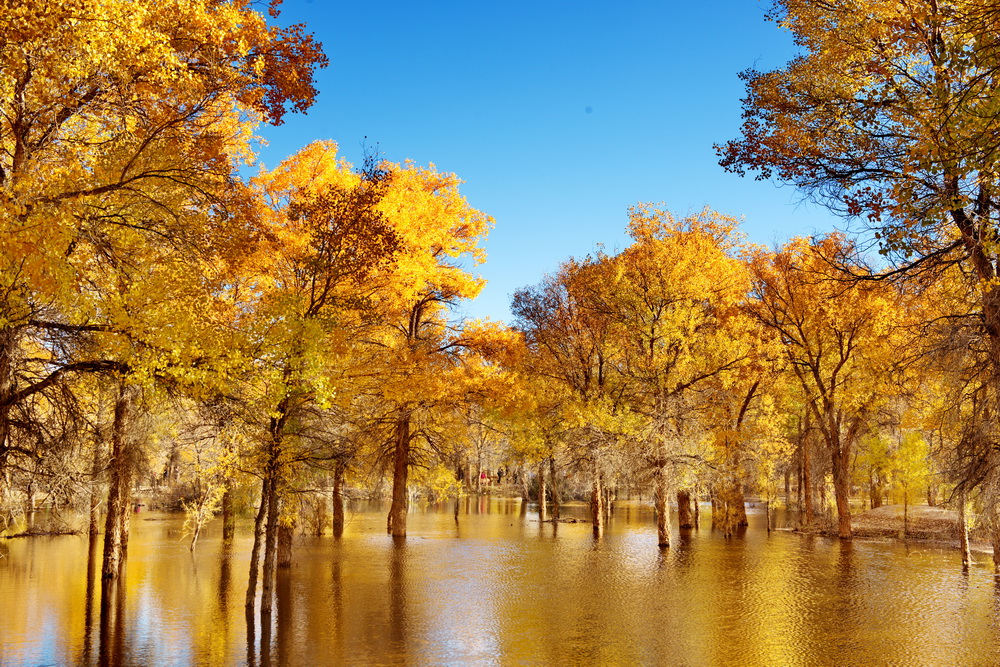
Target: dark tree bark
{"x": 684, "y": 516}
{"x": 119, "y": 506}
{"x": 228, "y": 515}
{"x": 258, "y": 540}
{"x": 597, "y": 501}
{"x": 401, "y": 470}
{"x": 286, "y": 534}
{"x": 556, "y": 500}
{"x": 338, "y": 498}
{"x": 270, "y": 544}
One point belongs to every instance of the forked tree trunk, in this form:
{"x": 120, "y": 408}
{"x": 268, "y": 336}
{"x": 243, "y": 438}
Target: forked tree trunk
{"x": 119, "y": 510}
{"x": 401, "y": 469}
{"x": 338, "y": 499}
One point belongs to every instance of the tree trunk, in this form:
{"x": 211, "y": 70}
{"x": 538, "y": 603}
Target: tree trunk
{"x": 93, "y": 527}
{"x": 798, "y": 482}
{"x": 842, "y": 489}
{"x": 807, "y": 484}
{"x": 338, "y": 499}
{"x": 119, "y": 510}
{"x": 684, "y": 518}
{"x": 739, "y": 506}
{"x": 401, "y": 470}
{"x": 556, "y": 500}
{"x": 697, "y": 508}
{"x": 286, "y": 532}
{"x": 258, "y": 538}
{"x": 662, "y": 509}
{"x": 597, "y": 501}
{"x": 270, "y": 544}
{"x": 228, "y": 514}
{"x": 543, "y": 514}
{"x": 963, "y": 530}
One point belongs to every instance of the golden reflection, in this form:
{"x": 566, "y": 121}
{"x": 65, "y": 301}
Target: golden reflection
{"x": 506, "y": 590}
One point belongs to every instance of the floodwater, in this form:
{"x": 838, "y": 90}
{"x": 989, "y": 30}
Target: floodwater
{"x": 500, "y": 588}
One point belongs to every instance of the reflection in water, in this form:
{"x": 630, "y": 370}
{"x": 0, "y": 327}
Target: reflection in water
{"x": 397, "y": 595}
{"x": 112, "y": 624}
{"x": 93, "y": 549}
{"x": 506, "y": 590}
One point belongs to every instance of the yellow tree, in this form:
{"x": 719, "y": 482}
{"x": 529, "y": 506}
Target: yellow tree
{"x": 440, "y": 235}
{"x": 121, "y": 125}
{"x": 889, "y": 115}
{"x": 674, "y": 299}
{"x": 840, "y": 340}
{"x": 303, "y": 295}
{"x": 570, "y": 353}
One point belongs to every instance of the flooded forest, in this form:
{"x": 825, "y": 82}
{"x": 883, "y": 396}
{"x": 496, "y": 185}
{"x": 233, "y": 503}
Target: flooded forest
{"x": 243, "y": 420}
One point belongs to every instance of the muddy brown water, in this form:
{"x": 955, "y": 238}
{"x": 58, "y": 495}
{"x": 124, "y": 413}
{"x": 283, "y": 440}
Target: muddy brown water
{"x": 500, "y": 588}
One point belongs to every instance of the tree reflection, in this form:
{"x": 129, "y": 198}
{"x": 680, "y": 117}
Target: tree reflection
{"x": 397, "y": 594}
{"x": 112, "y": 623}
{"x": 93, "y": 548}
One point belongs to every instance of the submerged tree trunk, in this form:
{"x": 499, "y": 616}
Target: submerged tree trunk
{"x": 662, "y": 508}
{"x": 258, "y": 538}
{"x": 597, "y": 501}
{"x": 286, "y": 532}
{"x": 697, "y": 508}
{"x": 963, "y": 530}
{"x": 842, "y": 489}
{"x": 684, "y": 517}
{"x": 228, "y": 514}
{"x": 119, "y": 509}
{"x": 807, "y": 484}
{"x": 338, "y": 499}
{"x": 96, "y": 468}
{"x": 400, "y": 474}
{"x": 543, "y": 514}
{"x": 270, "y": 544}
{"x": 556, "y": 500}
{"x": 732, "y": 513}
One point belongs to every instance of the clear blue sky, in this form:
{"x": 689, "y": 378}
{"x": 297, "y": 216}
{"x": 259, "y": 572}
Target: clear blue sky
{"x": 557, "y": 115}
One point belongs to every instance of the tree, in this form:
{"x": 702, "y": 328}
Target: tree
{"x": 839, "y": 339}
{"x": 121, "y": 127}
{"x": 889, "y": 115}
{"x": 674, "y": 298}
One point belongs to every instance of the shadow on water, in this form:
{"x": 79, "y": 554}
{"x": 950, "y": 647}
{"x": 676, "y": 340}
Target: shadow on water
{"x": 112, "y": 621}
{"x": 93, "y": 550}
{"x": 397, "y": 594}
{"x": 286, "y": 621}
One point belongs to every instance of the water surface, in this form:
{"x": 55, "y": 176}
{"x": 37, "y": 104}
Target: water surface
{"x": 498, "y": 587}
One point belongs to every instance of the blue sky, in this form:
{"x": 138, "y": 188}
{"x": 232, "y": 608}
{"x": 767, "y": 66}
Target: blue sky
{"x": 557, "y": 115}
